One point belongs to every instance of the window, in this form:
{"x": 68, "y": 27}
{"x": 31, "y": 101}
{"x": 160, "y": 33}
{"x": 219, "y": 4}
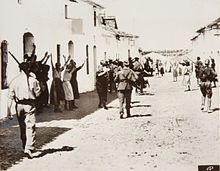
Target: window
{"x": 66, "y": 12}
{"x": 95, "y": 20}
{"x": 87, "y": 59}
{"x": 58, "y": 53}
{"x": 4, "y": 62}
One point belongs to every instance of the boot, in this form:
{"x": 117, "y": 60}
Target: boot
{"x": 73, "y": 104}
{"x": 203, "y": 103}
{"x": 104, "y": 105}
{"x": 128, "y": 113}
{"x": 209, "y": 105}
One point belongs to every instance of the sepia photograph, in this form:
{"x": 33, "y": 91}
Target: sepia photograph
{"x": 110, "y": 85}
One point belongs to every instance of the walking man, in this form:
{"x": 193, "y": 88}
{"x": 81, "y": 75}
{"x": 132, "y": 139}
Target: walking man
{"x": 24, "y": 90}
{"x": 206, "y": 77}
{"x": 125, "y": 78}
{"x": 198, "y": 66}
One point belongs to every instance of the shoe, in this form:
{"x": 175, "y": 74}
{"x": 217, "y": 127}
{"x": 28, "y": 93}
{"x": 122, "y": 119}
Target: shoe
{"x": 121, "y": 115}
{"x": 28, "y": 154}
{"x": 210, "y": 111}
{"x": 99, "y": 106}
{"x": 74, "y": 107}
{"x": 105, "y": 107}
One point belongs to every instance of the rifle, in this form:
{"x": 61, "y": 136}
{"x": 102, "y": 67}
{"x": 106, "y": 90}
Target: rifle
{"x": 191, "y": 60}
{"x": 19, "y": 64}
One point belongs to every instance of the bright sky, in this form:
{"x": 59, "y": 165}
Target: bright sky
{"x": 163, "y": 24}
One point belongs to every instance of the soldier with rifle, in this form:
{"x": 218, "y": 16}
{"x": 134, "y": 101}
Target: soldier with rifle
{"x": 207, "y": 75}
{"x": 23, "y": 90}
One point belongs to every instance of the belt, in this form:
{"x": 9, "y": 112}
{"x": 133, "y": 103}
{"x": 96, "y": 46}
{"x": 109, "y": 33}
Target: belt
{"x": 27, "y": 101}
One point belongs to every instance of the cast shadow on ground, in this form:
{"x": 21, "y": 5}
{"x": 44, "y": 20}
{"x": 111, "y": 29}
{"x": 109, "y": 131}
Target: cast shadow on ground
{"x": 141, "y": 105}
{"x": 216, "y": 109}
{"x": 133, "y": 102}
{"x": 145, "y": 115}
{"x": 54, "y": 150}
{"x": 146, "y": 93}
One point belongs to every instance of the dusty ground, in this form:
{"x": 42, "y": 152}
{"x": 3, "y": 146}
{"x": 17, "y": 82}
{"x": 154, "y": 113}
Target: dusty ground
{"x": 167, "y": 131}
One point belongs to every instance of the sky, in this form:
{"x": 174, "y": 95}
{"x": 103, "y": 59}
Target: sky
{"x": 162, "y": 24}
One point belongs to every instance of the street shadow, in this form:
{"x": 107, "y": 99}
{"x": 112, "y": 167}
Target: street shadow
{"x": 141, "y": 106}
{"x": 134, "y": 116}
{"x": 11, "y": 151}
{"x": 133, "y": 102}
{"x": 216, "y": 109}
{"x": 52, "y": 150}
{"x": 113, "y": 107}
{"x": 146, "y": 93}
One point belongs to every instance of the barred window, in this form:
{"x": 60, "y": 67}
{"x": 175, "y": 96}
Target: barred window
{"x": 87, "y": 59}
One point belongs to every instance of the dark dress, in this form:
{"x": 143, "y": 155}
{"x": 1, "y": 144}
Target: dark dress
{"x": 102, "y": 87}
{"x": 74, "y": 83}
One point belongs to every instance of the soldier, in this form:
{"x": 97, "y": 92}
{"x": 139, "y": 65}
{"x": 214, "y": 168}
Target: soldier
{"x": 102, "y": 85}
{"x": 125, "y": 78}
{"x": 138, "y": 69}
{"x": 24, "y": 90}
{"x": 207, "y": 75}
{"x": 198, "y": 66}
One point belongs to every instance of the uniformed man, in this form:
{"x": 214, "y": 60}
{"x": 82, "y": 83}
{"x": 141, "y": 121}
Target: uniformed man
{"x": 198, "y": 66}
{"x": 125, "y": 78}
{"x": 207, "y": 75}
{"x": 24, "y": 90}
{"x": 139, "y": 69}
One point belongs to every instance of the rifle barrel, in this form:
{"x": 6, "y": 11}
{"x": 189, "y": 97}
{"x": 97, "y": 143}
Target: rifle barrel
{"x": 14, "y": 57}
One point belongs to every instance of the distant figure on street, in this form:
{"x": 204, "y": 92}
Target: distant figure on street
{"x": 207, "y": 75}
{"x": 24, "y": 90}
{"x": 175, "y": 72}
{"x": 125, "y": 78}
{"x": 198, "y": 66}
{"x": 187, "y": 76}
{"x": 102, "y": 85}
{"x": 213, "y": 67}
{"x": 139, "y": 70}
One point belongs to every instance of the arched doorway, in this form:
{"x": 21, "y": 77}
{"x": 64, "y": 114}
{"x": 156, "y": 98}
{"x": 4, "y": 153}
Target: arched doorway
{"x": 71, "y": 49}
{"x": 28, "y": 41}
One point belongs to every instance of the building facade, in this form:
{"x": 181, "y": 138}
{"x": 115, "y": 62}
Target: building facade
{"x": 61, "y": 27}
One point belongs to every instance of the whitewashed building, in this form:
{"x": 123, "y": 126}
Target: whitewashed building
{"x": 206, "y": 43}
{"x": 61, "y": 27}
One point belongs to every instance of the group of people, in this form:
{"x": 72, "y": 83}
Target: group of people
{"x": 206, "y": 77}
{"x": 28, "y": 93}
{"x": 121, "y": 76}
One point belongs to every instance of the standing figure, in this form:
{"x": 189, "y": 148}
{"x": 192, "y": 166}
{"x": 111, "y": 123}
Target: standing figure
{"x": 68, "y": 91}
{"x": 24, "y": 90}
{"x": 207, "y": 75}
{"x": 102, "y": 85}
{"x": 74, "y": 82}
{"x": 175, "y": 72}
{"x": 198, "y": 66}
{"x": 56, "y": 91}
{"x": 187, "y": 76}
{"x": 139, "y": 70}
{"x": 125, "y": 78}
{"x": 213, "y": 67}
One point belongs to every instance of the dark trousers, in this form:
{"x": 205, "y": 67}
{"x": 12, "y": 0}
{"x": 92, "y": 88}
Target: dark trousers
{"x": 124, "y": 96}
{"x": 102, "y": 93}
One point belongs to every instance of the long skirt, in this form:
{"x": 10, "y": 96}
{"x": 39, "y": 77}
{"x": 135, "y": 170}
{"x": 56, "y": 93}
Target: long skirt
{"x": 68, "y": 91}
{"x": 56, "y": 92}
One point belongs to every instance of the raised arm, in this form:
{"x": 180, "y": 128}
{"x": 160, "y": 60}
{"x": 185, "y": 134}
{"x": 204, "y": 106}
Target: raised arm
{"x": 45, "y": 56}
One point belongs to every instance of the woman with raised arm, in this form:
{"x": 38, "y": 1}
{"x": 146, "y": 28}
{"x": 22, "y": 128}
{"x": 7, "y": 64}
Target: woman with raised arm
{"x": 57, "y": 92}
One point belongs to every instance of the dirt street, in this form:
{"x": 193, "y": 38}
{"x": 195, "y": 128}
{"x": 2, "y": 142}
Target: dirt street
{"x": 167, "y": 131}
